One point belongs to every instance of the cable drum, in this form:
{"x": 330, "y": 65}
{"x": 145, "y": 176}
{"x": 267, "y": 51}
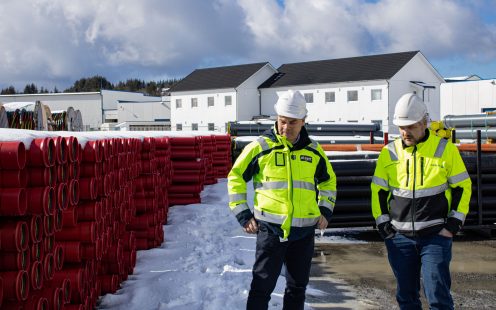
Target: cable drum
{"x": 4, "y": 121}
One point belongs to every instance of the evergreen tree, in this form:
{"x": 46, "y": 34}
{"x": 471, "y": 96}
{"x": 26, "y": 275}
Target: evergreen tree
{"x": 8, "y": 91}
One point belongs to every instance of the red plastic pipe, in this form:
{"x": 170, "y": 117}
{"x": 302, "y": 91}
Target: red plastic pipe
{"x": 13, "y": 201}
{"x": 58, "y": 218}
{"x": 36, "y": 275}
{"x": 62, "y": 173}
{"x": 72, "y": 149}
{"x": 41, "y": 152}
{"x": 48, "y": 244}
{"x": 14, "y": 236}
{"x": 39, "y": 176}
{"x": 89, "y": 211}
{"x": 74, "y": 171}
{"x": 109, "y": 283}
{"x": 84, "y": 231}
{"x": 92, "y": 152}
{"x": 87, "y": 188}
{"x": 55, "y": 297}
{"x": 41, "y": 200}
{"x": 48, "y": 225}
{"x": 15, "y": 285}
{"x": 35, "y": 227}
{"x": 37, "y": 251}
{"x": 59, "y": 256}
{"x": 12, "y": 155}
{"x": 61, "y": 149}
{"x": 89, "y": 169}
{"x": 14, "y": 178}
{"x": 76, "y": 278}
{"x": 70, "y": 218}
{"x": 73, "y": 192}
{"x": 48, "y": 266}
{"x": 10, "y": 261}
{"x": 36, "y": 302}
{"x": 72, "y": 251}
{"x": 185, "y": 188}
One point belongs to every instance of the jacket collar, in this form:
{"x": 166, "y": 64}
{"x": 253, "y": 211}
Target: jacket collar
{"x": 421, "y": 142}
{"x": 301, "y": 143}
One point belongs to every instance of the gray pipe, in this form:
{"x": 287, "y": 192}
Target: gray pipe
{"x": 471, "y": 133}
{"x": 474, "y": 120}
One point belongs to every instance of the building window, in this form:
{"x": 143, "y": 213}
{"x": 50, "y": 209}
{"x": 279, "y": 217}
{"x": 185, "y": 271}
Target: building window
{"x": 179, "y": 103}
{"x": 353, "y": 95}
{"x": 210, "y": 101}
{"x": 194, "y": 102}
{"x": 179, "y": 127}
{"x": 309, "y": 97}
{"x": 228, "y": 100}
{"x": 330, "y": 96}
{"x": 376, "y": 94}
{"x": 194, "y": 126}
{"x": 211, "y": 126}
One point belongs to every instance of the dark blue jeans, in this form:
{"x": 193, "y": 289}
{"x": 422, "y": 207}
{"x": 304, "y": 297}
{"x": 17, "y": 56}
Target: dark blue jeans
{"x": 428, "y": 257}
{"x": 270, "y": 256}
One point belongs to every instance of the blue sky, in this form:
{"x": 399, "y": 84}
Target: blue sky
{"x": 55, "y": 42}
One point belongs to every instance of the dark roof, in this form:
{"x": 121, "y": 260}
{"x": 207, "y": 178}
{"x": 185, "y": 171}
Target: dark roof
{"x": 220, "y": 77}
{"x": 375, "y": 67}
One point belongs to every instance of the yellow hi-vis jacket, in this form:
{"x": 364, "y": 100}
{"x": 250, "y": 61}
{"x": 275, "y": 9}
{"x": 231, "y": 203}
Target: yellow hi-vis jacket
{"x": 421, "y": 189}
{"x": 292, "y": 183}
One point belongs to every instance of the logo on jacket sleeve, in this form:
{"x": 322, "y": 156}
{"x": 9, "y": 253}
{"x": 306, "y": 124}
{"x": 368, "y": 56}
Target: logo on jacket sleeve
{"x": 306, "y": 158}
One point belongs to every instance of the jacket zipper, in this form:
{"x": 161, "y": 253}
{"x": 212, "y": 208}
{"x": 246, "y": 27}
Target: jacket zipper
{"x": 407, "y": 172}
{"x": 414, "y": 206}
{"x": 421, "y": 171}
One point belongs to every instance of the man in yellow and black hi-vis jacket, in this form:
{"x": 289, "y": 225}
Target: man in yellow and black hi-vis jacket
{"x": 295, "y": 193}
{"x": 420, "y": 197}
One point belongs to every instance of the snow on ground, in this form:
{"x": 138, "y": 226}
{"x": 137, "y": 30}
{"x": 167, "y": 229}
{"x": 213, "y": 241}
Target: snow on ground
{"x": 205, "y": 262}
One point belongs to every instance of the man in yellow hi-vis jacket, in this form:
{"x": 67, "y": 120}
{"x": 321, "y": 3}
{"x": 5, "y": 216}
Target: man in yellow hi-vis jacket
{"x": 295, "y": 192}
{"x": 420, "y": 197}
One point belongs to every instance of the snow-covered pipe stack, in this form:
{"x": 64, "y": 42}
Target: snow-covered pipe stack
{"x": 209, "y": 147}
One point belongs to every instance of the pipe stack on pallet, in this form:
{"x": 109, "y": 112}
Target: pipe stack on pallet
{"x": 74, "y": 210}
{"x": 222, "y": 156}
{"x": 188, "y": 166}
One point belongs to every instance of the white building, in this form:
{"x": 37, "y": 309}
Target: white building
{"x": 96, "y": 108}
{"x": 146, "y": 115}
{"x": 467, "y": 97}
{"x": 357, "y": 89}
{"x": 209, "y": 98}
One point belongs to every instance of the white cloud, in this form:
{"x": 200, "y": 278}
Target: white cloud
{"x": 57, "y": 41}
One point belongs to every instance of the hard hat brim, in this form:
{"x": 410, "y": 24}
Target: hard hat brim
{"x": 406, "y": 122}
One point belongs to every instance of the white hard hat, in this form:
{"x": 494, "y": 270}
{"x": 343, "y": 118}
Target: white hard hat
{"x": 410, "y": 109}
{"x": 291, "y": 104}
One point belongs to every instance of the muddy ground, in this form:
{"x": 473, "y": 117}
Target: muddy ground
{"x": 358, "y": 276}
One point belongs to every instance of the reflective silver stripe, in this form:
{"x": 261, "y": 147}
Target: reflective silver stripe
{"x": 314, "y": 144}
{"x": 237, "y": 197}
{"x": 326, "y": 204}
{"x": 458, "y": 178}
{"x": 263, "y": 143}
{"x": 279, "y": 219}
{"x": 327, "y": 193}
{"x": 304, "y": 185}
{"x": 392, "y": 151}
{"x": 419, "y": 193}
{"x": 380, "y": 181}
{"x": 457, "y": 215}
{"x": 283, "y": 184}
{"x": 240, "y": 208}
{"x": 382, "y": 219}
{"x": 418, "y": 225}
{"x": 440, "y": 148}
{"x": 268, "y": 217}
{"x": 271, "y": 185}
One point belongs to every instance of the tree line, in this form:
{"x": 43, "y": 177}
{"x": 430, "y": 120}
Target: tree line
{"x": 97, "y": 83}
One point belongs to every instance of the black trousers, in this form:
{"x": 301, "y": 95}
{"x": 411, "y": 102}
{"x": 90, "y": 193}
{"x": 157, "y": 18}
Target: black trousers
{"x": 270, "y": 255}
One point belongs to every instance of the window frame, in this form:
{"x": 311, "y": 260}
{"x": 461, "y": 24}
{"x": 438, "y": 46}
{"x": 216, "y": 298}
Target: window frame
{"x": 348, "y": 95}
{"x": 330, "y": 93}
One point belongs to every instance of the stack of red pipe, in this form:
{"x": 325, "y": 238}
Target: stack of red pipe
{"x": 188, "y": 166}
{"x": 72, "y": 217}
{"x": 222, "y": 160}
